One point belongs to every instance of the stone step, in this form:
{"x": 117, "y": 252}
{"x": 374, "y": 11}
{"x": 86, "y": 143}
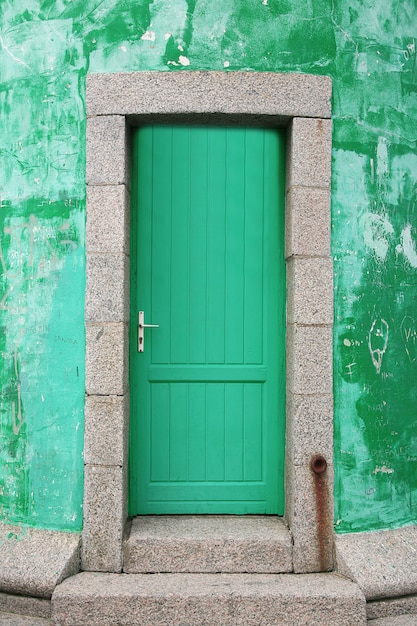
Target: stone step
{"x": 12, "y": 619}
{"x": 208, "y": 543}
{"x": 208, "y": 599}
{"x": 397, "y": 620}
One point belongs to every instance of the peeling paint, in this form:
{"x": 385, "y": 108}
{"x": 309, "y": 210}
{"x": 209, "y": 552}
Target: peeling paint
{"x": 375, "y": 166}
{"x": 42, "y": 343}
{"x": 183, "y": 60}
{"x": 407, "y": 246}
{"x": 384, "y": 470}
{"x": 369, "y": 50}
{"x": 376, "y": 233}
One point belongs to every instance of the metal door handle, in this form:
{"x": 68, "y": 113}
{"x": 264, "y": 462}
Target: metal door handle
{"x": 141, "y": 330}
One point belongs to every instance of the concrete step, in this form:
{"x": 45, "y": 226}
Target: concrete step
{"x": 208, "y": 599}
{"x": 208, "y": 544}
{"x": 12, "y": 619}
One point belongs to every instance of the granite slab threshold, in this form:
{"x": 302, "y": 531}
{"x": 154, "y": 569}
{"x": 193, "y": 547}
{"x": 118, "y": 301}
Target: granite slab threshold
{"x": 13, "y": 619}
{"x": 208, "y": 599}
{"x": 398, "y": 620}
{"x": 382, "y": 562}
{"x": 208, "y": 544}
{"x": 33, "y": 561}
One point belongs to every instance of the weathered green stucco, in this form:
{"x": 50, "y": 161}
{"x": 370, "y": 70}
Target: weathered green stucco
{"x": 368, "y": 48}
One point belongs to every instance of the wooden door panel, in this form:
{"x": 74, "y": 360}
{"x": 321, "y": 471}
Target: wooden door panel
{"x": 207, "y": 431}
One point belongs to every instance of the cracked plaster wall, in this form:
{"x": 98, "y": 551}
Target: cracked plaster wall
{"x": 46, "y": 49}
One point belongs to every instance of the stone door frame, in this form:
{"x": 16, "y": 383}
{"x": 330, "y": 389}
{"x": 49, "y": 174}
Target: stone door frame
{"x": 301, "y": 103}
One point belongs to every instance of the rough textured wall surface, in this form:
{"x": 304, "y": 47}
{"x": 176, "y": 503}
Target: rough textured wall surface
{"x": 368, "y": 48}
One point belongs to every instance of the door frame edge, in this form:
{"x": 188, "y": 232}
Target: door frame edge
{"x": 301, "y": 103}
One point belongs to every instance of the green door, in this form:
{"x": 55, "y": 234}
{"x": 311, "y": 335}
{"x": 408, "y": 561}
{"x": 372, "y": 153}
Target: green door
{"x": 208, "y": 390}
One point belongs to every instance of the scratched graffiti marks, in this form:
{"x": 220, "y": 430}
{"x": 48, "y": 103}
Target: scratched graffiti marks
{"x": 409, "y": 336}
{"x": 33, "y": 251}
{"x": 377, "y": 348}
{"x": 379, "y": 365}
{"x": 268, "y": 33}
{"x": 375, "y": 236}
{"x": 14, "y": 491}
{"x": 369, "y": 50}
{"x": 377, "y": 342}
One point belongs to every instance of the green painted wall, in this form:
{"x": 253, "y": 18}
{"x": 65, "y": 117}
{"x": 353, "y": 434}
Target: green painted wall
{"x": 368, "y": 48}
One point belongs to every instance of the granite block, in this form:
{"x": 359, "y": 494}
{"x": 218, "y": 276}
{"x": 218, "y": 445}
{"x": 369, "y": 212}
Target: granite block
{"x": 107, "y": 151}
{"x": 11, "y": 619}
{"x": 208, "y": 543}
{"x": 399, "y": 620}
{"x": 383, "y": 563}
{"x": 309, "y": 360}
{"x": 25, "y": 605}
{"x": 256, "y": 93}
{"x": 34, "y": 561}
{"x": 307, "y": 222}
{"x": 309, "y": 514}
{"x": 108, "y": 219}
{"x": 107, "y": 290}
{"x": 106, "y": 359}
{"x": 210, "y": 599}
{"x": 391, "y": 607}
{"x": 309, "y": 153}
{"x": 309, "y": 427}
{"x": 310, "y": 291}
{"x": 106, "y": 430}
{"x": 105, "y": 515}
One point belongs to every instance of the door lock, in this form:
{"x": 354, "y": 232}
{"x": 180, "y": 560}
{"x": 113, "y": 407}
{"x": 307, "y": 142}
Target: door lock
{"x": 141, "y": 330}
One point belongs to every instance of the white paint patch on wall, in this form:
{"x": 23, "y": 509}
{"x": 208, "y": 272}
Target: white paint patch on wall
{"x": 382, "y": 161}
{"x": 407, "y": 246}
{"x": 184, "y": 60}
{"x": 377, "y": 231}
{"x": 148, "y": 36}
{"x": 402, "y": 180}
{"x": 383, "y": 470}
{"x": 362, "y": 63}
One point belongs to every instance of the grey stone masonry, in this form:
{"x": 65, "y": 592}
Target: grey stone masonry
{"x": 10, "y": 619}
{"x": 308, "y": 163}
{"x": 104, "y": 518}
{"x": 211, "y": 599}
{"x": 210, "y": 543}
{"x": 399, "y": 620}
{"x": 392, "y": 607}
{"x": 383, "y": 563}
{"x": 302, "y": 442}
{"x": 309, "y": 495}
{"x": 106, "y": 358}
{"x": 301, "y": 103}
{"x": 107, "y": 288}
{"x": 108, "y": 220}
{"x": 307, "y": 222}
{"x": 105, "y": 431}
{"x": 107, "y": 151}
{"x": 107, "y": 327}
{"x": 25, "y": 605}
{"x": 309, "y": 293}
{"x": 34, "y": 561}
{"x": 230, "y": 93}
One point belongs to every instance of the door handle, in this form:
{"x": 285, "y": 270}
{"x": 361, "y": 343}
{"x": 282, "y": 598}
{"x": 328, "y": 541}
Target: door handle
{"x": 141, "y": 330}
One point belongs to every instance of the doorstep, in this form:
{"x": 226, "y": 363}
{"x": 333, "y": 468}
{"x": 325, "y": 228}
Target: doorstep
{"x": 99, "y": 599}
{"x": 207, "y": 544}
